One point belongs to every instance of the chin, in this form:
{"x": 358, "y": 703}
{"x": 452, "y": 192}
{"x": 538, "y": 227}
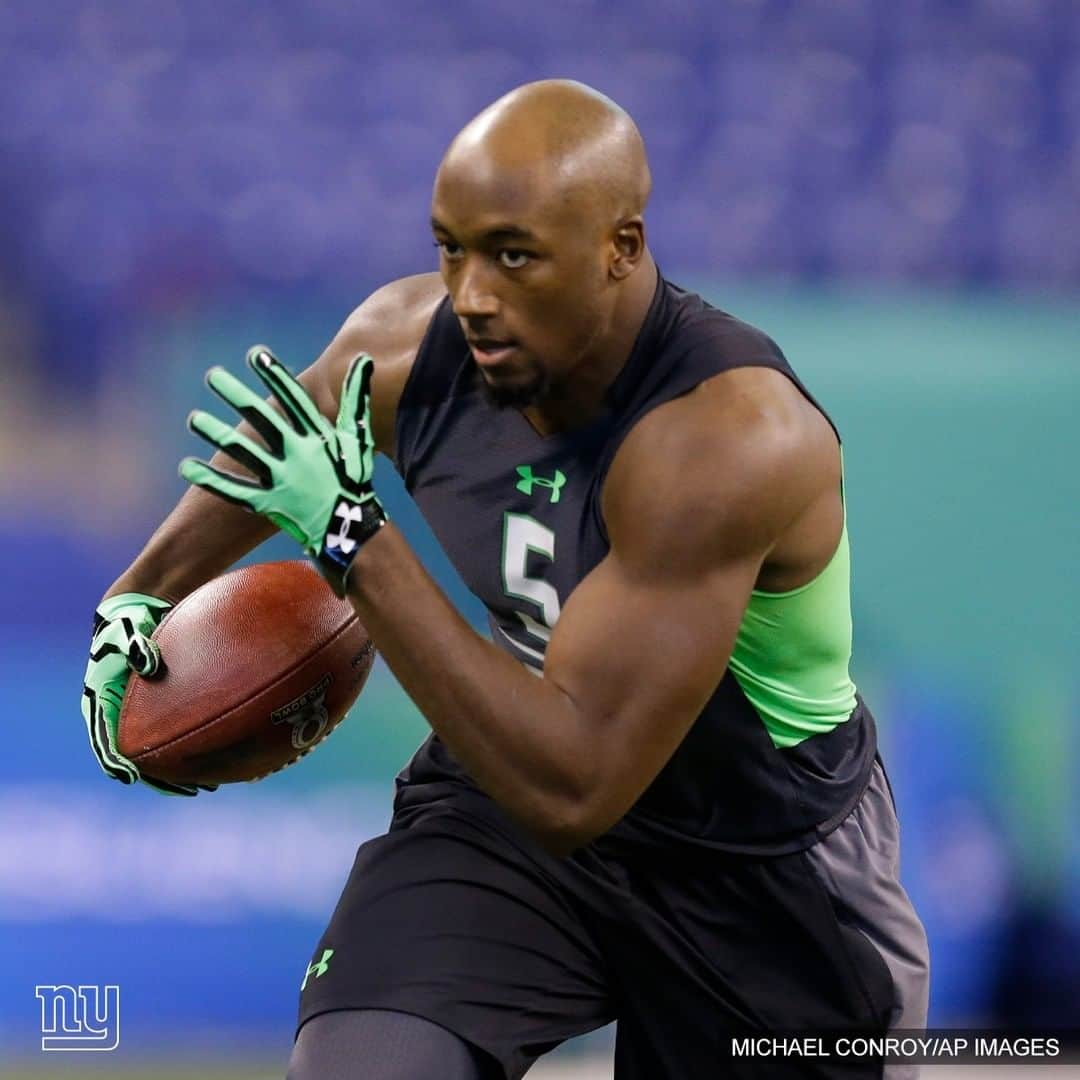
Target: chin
{"x": 515, "y": 395}
{"x": 516, "y": 390}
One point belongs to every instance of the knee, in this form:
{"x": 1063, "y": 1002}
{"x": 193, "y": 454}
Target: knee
{"x": 302, "y": 1065}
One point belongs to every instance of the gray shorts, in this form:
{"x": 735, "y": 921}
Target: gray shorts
{"x": 859, "y": 865}
{"x": 455, "y": 915}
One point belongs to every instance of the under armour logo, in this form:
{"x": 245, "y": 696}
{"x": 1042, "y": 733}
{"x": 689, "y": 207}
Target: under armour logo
{"x": 319, "y": 968}
{"x": 528, "y": 482}
{"x": 349, "y": 515}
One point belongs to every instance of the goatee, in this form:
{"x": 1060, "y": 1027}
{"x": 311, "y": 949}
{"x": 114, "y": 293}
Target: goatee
{"x": 530, "y": 390}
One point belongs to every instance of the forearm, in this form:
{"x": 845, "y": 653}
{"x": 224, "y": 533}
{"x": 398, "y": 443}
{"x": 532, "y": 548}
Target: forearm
{"x": 203, "y": 535}
{"x": 521, "y": 738}
{"x": 201, "y": 538}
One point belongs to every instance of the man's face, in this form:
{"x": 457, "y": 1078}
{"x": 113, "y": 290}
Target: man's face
{"x": 527, "y": 276}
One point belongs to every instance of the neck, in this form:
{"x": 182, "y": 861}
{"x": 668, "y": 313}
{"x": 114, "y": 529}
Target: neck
{"x": 581, "y": 398}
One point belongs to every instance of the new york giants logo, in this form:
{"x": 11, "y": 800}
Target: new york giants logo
{"x": 79, "y": 1018}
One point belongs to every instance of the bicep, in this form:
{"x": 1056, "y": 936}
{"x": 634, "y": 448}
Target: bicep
{"x": 389, "y": 325}
{"x": 695, "y": 500}
{"x": 324, "y": 378}
{"x": 640, "y": 654}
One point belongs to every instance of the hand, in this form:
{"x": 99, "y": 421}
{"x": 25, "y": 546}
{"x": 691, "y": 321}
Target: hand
{"x": 121, "y": 644}
{"x": 313, "y": 479}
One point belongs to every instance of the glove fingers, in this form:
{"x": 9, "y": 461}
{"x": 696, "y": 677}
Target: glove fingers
{"x": 368, "y": 438}
{"x": 105, "y": 711}
{"x": 353, "y": 414}
{"x": 121, "y": 638}
{"x": 165, "y": 787}
{"x": 105, "y": 680}
{"x": 223, "y": 484}
{"x": 249, "y": 405}
{"x": 148, "y": 610}
{"x": 102, "y": 716}
{"x": 144, "y": 656}
{"x": 294, "y": 399}
{"x": 367, "y": 457}
{"x": 367, "y": 370}
{"x": 232, "y": 442}
{"x": 121, "y": 644}
{"x": 355, "y": 391}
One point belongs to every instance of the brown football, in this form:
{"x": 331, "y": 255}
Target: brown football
{"x": 261, "y": 664}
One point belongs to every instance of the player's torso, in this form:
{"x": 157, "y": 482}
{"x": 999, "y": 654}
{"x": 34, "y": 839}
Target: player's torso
{"x": 517, "y": 515}
{"x": 520, "y": 517}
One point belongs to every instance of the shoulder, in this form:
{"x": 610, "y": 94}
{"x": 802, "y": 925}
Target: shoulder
{"x": 697, "y": 324}
{"x": 721, "y": 471}
{"x": 395, "y": 315}
{"x": 389, "y": 325}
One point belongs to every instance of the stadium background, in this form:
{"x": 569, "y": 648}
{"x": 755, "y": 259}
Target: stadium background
{"x": 890, "y": 190}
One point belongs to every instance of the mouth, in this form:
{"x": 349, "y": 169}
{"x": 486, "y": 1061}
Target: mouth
{"x": 489, "y": 352}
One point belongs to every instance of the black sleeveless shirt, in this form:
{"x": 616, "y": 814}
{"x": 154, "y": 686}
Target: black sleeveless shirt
{"x": 519, "y": 516}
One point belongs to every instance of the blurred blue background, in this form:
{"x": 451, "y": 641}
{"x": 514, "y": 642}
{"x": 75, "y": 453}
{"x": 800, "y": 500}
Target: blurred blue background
{"x": 892, "y": 191}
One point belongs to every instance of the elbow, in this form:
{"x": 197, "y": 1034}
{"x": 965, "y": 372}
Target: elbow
{"x": 560, "y": 842}
{"x": 570, "y": 826}
{"x": 581, "y": 802}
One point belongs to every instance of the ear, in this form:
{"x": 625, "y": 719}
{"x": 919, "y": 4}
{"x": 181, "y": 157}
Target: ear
{"x": 627, "y": 247}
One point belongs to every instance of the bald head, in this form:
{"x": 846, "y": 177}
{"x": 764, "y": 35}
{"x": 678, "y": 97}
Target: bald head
{"x": 565, "y": 141}
{"x": 537, "y": 212}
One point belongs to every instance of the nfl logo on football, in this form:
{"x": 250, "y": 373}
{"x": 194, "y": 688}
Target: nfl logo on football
{"x": 79, "y": 1017}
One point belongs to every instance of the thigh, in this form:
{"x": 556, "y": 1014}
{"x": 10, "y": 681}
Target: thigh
{"x": 448, "y": 920}
{"x": 733, "y": 947}
{"x": 859, "y": 867}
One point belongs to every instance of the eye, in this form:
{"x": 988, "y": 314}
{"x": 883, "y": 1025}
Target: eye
{"x": 449, "y": 248}
{"x": 513, "y": 259}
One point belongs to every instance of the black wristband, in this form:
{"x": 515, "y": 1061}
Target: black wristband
{"x": 355, "y": 521}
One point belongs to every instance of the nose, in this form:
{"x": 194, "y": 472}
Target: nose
{"x": 471, "y": 292}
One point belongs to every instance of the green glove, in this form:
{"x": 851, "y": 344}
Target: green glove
{"x": 121, "y": 644}
{"x": 313, "y": 479}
